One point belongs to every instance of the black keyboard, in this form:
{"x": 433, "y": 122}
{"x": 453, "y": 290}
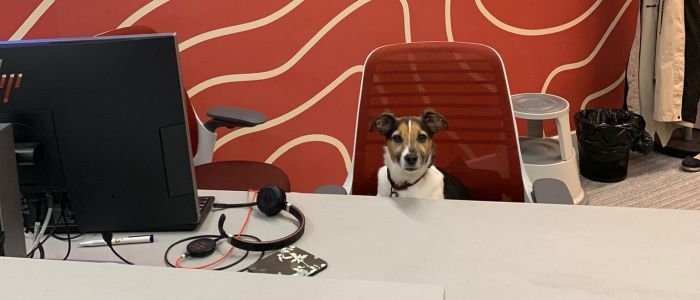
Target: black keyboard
{"x": 204, "y": 206}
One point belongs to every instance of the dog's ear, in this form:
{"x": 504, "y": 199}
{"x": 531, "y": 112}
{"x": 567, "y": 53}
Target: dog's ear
{"x": 433, "y": 121}
{"x": 383, "y": 123}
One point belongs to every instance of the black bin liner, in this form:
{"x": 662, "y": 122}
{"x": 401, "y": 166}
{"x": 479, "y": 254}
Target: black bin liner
{"x": 605, "y": 138}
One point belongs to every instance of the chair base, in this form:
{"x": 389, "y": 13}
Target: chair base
{"x": 565, "y": 171}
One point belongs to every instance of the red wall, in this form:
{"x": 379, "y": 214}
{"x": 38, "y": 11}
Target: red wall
{"x": 292, "y": 53}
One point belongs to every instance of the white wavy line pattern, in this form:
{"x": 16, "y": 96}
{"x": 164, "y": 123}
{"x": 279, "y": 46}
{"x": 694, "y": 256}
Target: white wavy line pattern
{"x": 216, "y": 33}
{"x": 534, "y": 32}
{"x": 284, "y": 67}
{"x": 141, "y": 12}
{"x": 41, "y": 9}
{"x": 291, "y": 114}
{"x": 602, "y": 92}
{"x": 313, "y": 138}
{"x": 31, "y": 20}
{"x": 448, "y": 21}
{"x": 590, "y": 57}
{"x": 406, "y": 20}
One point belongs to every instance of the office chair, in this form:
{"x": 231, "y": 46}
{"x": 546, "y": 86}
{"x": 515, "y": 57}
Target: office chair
{"x": 467, "y": 84}
{"x": 220, "y": 175}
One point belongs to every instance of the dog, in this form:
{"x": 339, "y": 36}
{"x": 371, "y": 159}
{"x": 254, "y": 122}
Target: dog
{"x": 409, "y": 153}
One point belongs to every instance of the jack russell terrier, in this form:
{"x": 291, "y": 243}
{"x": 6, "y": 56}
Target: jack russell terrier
{"x": 408, "y": 170}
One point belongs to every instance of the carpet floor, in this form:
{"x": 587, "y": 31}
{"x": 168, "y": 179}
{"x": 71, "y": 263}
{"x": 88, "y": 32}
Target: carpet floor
{"x": 654, "y": 180}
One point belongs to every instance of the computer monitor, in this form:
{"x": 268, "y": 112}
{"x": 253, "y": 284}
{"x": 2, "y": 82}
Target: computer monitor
{"x": 11, "y": 230}
{"x": 102, "y": 121}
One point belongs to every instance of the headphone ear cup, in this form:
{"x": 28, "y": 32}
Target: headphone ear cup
{"x": 271, "y": 200}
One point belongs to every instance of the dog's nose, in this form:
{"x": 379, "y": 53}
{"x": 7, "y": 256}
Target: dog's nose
{"x": 411, "y": 159}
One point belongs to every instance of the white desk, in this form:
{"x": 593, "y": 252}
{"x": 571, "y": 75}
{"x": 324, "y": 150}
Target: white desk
{"x": 45, "y": 279}
{"x": 478, "y": 250}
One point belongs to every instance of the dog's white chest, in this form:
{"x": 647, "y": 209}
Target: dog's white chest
{"x": 431, "y": 186}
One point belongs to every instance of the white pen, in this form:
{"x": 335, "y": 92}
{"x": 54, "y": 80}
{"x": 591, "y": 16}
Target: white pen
{"x": 127, "y": 240}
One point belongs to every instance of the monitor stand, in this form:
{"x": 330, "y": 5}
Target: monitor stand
{"x": 11, "y": 223}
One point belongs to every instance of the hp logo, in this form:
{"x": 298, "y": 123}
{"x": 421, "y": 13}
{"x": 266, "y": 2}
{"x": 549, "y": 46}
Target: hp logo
{"x": 7, "y": 83}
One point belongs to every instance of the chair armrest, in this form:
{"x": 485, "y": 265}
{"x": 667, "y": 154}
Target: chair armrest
{"x": 331, "y": 189}
{"x": 549, "y": 190}
{"x": 233, "y": 117}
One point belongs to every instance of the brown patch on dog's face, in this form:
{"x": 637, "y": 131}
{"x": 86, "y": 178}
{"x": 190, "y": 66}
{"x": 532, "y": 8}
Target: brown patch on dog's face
{"x": 398, "y": 143}
{"x": 409, "y": 139}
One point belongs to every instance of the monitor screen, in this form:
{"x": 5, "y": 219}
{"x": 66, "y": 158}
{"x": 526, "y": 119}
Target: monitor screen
{"x": 102, "y": 121}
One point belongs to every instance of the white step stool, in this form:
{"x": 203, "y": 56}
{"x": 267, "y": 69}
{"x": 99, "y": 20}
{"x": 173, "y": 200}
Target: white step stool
{"x": 545, "y": 157}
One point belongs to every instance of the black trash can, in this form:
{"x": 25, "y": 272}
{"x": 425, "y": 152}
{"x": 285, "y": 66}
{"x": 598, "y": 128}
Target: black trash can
{"x": 605, "y": 138}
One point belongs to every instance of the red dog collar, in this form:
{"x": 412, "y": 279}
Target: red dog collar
{"x": 403, "y": 185}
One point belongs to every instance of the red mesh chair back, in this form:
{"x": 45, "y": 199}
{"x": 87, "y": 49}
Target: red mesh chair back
{"x": 192, "y": 123}
{"x": 467, "y": 84}
{"x": 191, "y": 118}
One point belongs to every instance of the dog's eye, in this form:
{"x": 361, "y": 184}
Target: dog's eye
{"x": 397, "y": 139}
{"x": 422, "y": 138}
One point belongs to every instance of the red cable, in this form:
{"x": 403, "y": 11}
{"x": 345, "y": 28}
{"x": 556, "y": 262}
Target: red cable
{"x": 245, "y": 224}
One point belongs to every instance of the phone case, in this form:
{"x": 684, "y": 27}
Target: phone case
{"x": 289, "y": 261}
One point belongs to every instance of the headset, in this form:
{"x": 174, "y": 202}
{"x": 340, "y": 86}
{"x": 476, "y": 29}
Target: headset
{"x": 271, "y": 200}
